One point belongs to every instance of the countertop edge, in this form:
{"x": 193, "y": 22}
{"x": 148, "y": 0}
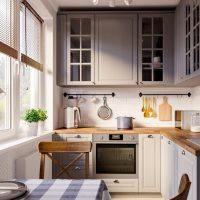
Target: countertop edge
{"x": 176, "y": 135}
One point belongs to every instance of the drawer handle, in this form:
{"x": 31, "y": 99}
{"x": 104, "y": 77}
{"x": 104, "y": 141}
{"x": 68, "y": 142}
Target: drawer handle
{"x": 183, "y": 152}
{"x": 169, "y": 142}
{"x": 77, "y": 168}
{"x": 116, "y": 181}
{"x": 150, "y": 136}
{"x": 78, "y": 136}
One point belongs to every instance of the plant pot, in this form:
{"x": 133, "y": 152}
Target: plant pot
{"x": 32, "y": 128}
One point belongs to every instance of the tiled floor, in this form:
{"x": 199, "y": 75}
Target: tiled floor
{"x": 124, "y": 196}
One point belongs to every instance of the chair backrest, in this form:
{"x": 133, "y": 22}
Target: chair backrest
{"x": 47, "y": 148}
{"x": 184, "y": 188}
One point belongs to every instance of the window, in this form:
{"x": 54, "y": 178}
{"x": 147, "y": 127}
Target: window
{"x": 8, "y": 28}
{"x": 30, "y": 48}
{"x": 8, "y": 49}
{"x": 18, "y": 91}
{"x": 30, "y": 38}
{"x": 29, "y": 87}
{"x": 5, "y": 92}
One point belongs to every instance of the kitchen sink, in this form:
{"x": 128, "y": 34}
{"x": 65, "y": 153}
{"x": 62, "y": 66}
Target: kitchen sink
{"x": 195, "y": 141}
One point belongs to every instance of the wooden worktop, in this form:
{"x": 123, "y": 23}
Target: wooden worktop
{"x": 176, "y": 135}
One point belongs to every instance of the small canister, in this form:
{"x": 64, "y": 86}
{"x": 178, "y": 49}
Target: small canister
{"x": 195, "y": 122}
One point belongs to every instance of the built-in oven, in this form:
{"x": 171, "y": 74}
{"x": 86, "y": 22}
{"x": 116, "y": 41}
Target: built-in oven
{"x": 115, "y": 156}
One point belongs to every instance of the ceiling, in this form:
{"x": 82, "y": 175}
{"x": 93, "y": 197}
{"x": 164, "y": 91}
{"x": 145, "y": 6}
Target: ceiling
{"x": 119, "y": 3}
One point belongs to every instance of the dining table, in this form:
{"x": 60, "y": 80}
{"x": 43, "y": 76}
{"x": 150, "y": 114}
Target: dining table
{"x": 69, "y": 189}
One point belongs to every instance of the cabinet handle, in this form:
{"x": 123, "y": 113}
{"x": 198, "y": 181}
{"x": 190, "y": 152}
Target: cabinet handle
{"x": 141, "y": 83}
{"x": 150, "y": 136}
{"x": 93, "y": 83}
{"x": 183, "y": 152}
{"x": 116, "y": 181}
{"x": 169, "y": 142}
{"x": 78, "y": 136}
{"x": 137, "y": 82}
{"x": 77, "y": 168}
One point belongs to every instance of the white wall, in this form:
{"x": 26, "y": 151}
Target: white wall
{"x": 128, "y": 103}
{"x": 8, "y": 158}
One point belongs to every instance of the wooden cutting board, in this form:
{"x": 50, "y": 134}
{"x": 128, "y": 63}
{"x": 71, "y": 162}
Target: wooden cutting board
{"x": 165, "y": 111}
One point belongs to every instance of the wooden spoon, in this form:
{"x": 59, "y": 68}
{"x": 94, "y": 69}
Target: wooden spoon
{"x": 146, "y": 113}
{"x": 154, "y": 114}
{"x": 150, "y": 109}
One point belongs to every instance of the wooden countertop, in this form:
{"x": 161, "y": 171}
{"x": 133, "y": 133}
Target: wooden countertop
{"x": 176, "y": 135}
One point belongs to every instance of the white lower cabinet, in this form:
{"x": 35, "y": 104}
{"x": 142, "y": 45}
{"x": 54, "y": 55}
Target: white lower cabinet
{"x": 149, "y": 163}
{"x": 169, "y": 163}
{"x": 176, "y": 161}
{"x": 122, "y": 185}
{"x": 187, "y": 163}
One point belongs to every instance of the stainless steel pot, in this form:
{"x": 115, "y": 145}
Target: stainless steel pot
{"x": 125, "y": 123}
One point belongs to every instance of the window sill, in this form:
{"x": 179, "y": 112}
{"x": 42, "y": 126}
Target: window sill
{"x": 11, "y": 144}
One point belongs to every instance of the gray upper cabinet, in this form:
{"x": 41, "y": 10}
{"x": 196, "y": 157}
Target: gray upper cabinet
{"x": 187, "y": 35}
{"x": 116, "y": 49}
{"x": 123, "y": 49}
{"x": 156, "y": 49}
{"x": 180, "y": 42}
{"x": 80, "y": 49}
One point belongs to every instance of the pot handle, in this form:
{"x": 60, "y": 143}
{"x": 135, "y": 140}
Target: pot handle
{"x": 131, "y": 117}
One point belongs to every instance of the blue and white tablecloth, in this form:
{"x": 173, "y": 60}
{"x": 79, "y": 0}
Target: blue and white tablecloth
{"x": 62, "y": 189}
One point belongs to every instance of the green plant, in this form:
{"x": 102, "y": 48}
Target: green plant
{"x": 42, "y": 114}
{"x": 34, "y": 115}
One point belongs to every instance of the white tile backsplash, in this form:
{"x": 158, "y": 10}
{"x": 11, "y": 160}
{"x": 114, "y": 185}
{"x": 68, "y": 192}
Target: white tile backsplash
{"x": 128, "y": 103}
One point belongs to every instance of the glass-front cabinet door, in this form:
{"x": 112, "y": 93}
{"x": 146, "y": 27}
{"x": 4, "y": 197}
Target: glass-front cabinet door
{"x": 192, "y": 34}
{"x": 154, "y": 49}
{"x": 80, "y": 50}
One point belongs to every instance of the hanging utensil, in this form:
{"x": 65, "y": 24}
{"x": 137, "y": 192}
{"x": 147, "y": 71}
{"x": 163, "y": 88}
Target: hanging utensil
{"x": 104, "y": 111}
{"x": 154, "y": 114}
{"x": 143, "y": 104}
{"x": 149, "y": 108}
{"x": 146, "y": 113}
{"x": 165, "y": 110}
{"x": 150, "y": 105}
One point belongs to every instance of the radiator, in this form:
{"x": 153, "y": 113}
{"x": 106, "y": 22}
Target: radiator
{"x": 28, "y": 167}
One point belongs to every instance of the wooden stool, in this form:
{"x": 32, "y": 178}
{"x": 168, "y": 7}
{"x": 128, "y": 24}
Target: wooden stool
{"x": 47, "y": 148}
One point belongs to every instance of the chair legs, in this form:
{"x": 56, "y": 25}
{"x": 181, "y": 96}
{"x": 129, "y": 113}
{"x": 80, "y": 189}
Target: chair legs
{"x": 86, "y": 165}
{"x": 42, "y": 166}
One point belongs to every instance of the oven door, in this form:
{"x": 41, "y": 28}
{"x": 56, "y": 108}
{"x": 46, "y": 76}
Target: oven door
{"x": 115, "y": 160}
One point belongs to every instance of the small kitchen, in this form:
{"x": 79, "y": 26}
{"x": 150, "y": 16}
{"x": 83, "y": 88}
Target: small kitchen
{"x": 130, "y": 85}
{"x": 118, "y": 84}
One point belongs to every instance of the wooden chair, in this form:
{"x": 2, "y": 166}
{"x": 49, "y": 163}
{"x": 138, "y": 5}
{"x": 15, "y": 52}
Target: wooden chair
{"x": 184, "y": 188}
{"x": 47, "y": 148}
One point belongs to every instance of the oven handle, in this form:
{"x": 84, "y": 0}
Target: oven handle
{"x": 109, "y": 142}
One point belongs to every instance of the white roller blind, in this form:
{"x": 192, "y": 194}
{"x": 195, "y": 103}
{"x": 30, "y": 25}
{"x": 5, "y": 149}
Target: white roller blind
{"x": 30, "y": 38}
{"x": 8, "y": 27}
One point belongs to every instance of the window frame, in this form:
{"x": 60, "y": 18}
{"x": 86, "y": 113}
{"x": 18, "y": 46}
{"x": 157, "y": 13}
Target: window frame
{"x": 15, "y": 69}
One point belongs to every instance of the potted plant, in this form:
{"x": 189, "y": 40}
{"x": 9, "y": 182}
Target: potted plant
{"x": 32, "y": 117}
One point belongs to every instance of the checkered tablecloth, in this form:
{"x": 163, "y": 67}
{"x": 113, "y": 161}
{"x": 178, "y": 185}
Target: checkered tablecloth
{"x": 66, "y": 189}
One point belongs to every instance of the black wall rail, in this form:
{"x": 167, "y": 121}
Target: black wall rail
{"x": 71, "y": 96}
{"x": 188, "y": 94}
